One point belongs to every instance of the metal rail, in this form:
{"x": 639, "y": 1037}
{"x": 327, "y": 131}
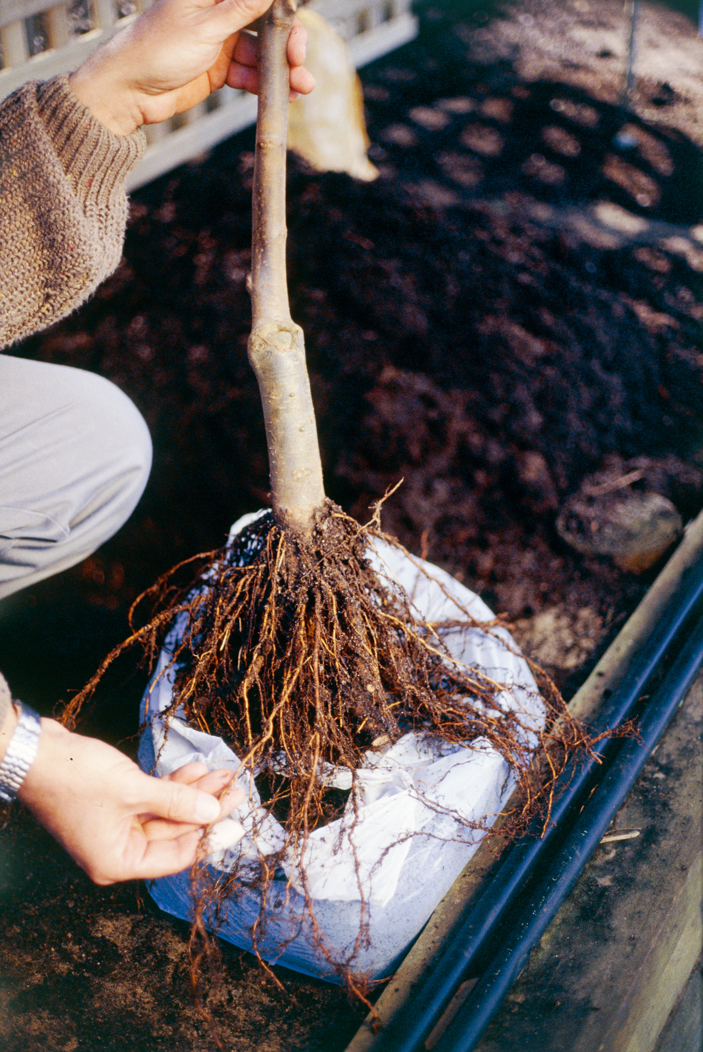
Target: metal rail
{"x": 411, "y": 1008}
{"x": 576, "y": 849}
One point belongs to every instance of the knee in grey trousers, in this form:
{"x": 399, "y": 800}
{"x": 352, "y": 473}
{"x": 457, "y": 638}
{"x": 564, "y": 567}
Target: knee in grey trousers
{"x": 75, "y": 455}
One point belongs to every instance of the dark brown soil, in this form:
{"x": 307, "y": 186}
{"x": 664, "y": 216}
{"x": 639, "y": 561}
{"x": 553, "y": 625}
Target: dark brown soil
{"x": 515, "y": 303}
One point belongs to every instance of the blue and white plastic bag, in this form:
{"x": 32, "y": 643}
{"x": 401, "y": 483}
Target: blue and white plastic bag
{"x": 418, "y": 813}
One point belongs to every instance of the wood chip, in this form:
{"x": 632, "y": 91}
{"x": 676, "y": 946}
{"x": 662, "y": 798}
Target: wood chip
{"x": 620, "y": 834}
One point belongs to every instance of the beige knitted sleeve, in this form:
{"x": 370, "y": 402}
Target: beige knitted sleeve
{"x": 63, "y": 206}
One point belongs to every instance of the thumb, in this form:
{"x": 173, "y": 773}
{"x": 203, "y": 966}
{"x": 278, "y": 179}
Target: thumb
{"x": 180, "y": 803}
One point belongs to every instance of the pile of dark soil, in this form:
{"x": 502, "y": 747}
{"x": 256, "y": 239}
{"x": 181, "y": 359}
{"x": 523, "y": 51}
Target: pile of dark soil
{"x": 515, "y": 303}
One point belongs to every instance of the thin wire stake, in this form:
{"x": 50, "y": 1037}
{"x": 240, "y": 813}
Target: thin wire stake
{"x": 634, "y": 9}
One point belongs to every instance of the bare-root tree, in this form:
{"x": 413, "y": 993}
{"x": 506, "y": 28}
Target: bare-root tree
{"x": 295, "y": 651}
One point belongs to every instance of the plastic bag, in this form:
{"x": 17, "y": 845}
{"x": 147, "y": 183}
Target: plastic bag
{"x": 327, "y": 128}
{"x": 382, "y": 868}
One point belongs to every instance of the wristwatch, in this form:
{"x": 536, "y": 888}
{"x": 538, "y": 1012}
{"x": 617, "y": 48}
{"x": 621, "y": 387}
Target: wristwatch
{"x": 20, "y": 752}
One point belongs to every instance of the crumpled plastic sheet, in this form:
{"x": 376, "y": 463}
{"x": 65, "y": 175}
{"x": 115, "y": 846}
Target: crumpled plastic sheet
{"x": 399, "y": 845}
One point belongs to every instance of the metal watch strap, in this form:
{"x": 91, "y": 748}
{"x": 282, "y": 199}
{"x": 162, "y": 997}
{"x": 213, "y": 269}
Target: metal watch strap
{"x": 20, "y": 752}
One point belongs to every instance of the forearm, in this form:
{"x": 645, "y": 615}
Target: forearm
{"x": 7, "y": 717}
{"x": 64, "y": 206}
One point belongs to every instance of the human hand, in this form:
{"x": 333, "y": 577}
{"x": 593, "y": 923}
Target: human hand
{"x": 173, "y": 56}
{"x": 115, "y": 821}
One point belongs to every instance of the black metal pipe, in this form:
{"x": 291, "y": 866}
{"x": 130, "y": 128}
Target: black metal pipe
{"x": 581, "y": 841}
{"x": 407, "y": 1031}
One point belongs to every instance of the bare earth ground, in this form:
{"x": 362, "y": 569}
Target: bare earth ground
{"x": 514, "y": 304}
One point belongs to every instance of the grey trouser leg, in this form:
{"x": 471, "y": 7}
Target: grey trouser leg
{"x": 74, "y": 459}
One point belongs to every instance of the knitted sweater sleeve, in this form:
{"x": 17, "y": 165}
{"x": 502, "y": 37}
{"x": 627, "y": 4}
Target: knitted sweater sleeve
{"x": 63, "y": 205}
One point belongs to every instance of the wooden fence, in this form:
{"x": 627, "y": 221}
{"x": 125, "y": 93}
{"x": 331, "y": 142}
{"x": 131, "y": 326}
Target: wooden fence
{"x": 40, "y": 38}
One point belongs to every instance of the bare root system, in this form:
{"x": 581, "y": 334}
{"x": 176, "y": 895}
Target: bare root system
{"x": 304, "y": 658}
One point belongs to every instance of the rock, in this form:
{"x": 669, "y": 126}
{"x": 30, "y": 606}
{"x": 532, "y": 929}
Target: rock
{"x": 633, "y": 528}
{"x": 557, "y": 638}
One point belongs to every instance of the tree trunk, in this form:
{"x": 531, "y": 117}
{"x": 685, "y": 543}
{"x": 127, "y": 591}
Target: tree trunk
{"x": 276, "y": 348}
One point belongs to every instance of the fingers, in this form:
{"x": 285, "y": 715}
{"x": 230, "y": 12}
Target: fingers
{"x": 246, "y": 78}
{"x": 297, "y": 44}
{"x": 243, "y": 71}
{"x": 219, "y": 784}
{"x": 247, "y": 45}
{"x": 301, "y": 80}
{"x": 177, "y": 802}
{"x": 246, "y": 50}
{"x": 152, "y": 859}
{"x": 161, "y": 858}
{"x": 162, "y": 852}
{"x": 188, "y": 774}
